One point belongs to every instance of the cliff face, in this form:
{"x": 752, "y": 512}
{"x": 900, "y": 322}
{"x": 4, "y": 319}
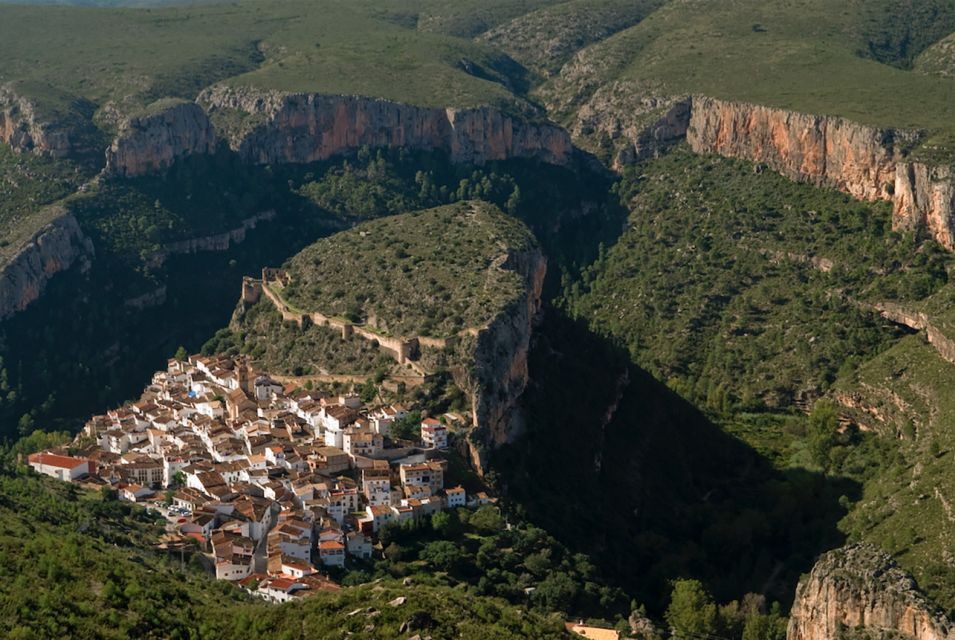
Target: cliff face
{"x": 151, "y": 143}
{"x": 860, "y": 587}
{"x": 925, "y": 198}
{"x": 24, "y": 129}
{"x": 866, "y": 162}
{"x": 820, "y": 150}
{"x": 54, "y": 248}
{"x": 275, "y": 127}
{"x": 499, "y": 373}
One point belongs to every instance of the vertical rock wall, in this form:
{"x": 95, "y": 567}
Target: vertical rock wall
{"x": 860, "y": 588}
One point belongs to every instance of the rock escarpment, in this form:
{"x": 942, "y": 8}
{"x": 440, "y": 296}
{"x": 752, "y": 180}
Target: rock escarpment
{"x": 821, "y": 150}
{"x": 925, "y": 198}
{"x": 56, "y": 247}
{"x": 24, "y": 129}
{"x": 277, "y": 127}
{"x": 216, "y": 242}
{"x": 499, "y": 373}
{"x": 860, "y": 588}
{"x": 869, "y": 163}
{"x": 151, "y": 143}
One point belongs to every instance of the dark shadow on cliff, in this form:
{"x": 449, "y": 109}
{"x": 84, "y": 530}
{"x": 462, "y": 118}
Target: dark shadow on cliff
{"x": 616, "y": 465}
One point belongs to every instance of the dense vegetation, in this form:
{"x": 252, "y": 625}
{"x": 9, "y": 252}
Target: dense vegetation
{"x": 435, "y": 272}
{"x": 753, "y": 297}
{"x": 746, "y": 291}
{"x": 675, "y": 495}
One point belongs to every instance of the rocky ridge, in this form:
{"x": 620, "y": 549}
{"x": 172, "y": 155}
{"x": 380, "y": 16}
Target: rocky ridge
{"x": 859, "y": 589}
{"x": 56, "y": 247}
{"x": 151, "y": 143}
{"x": 22, "y": 127}
{"x": 869, "y": 163}
{"x": 278, "y": 127}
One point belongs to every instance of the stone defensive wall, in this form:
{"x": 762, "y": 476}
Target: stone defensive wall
{"x": 405, "y": 350}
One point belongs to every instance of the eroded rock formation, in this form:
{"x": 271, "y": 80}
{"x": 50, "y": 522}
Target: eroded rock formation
{"x": 499, "y": 373}
{"x": 276, "y": 127}
{"x": 925, "y": 198}
{"x": 860, "y": 588}
{"x": 869, "y": 163}
{"x": 24, "y": 129}
{"x": 56, "y": 247}
{"x": 151, "y": 143}
{"x": 820, "y": 150}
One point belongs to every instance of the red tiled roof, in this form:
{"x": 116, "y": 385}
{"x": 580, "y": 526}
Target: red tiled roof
{"x": 54, "y": 460}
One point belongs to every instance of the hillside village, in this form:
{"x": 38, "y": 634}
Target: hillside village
{"x": 278, "y": 485}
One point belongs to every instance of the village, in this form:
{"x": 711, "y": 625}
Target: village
{"x": 280, "y": 487}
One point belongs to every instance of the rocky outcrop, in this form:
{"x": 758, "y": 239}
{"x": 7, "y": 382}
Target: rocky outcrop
{"x": 866, "y": 162}
{"x": 635, "y": 122}
{"x": 216, "y": 242}
{"x": 24, "y": 129}
{"x": 925, "y": 198}
{"x": 860, "y": 588}
{"x": 820, "y": 150}
{"x": 499, "y": 372}
{"x": 919, "y": 321}
{"x": 56, "y": 247}
{"x": 277, "y": 127}
{"x": 152, "y": 142}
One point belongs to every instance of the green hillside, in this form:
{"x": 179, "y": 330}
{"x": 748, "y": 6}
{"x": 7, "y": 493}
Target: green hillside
{"x": 753, "y": 297}
{"x": 745, "y": 290}
{"x": 434, "y": 272}
{"x": 851, "y": 59}
{"x": 124, "y": 59}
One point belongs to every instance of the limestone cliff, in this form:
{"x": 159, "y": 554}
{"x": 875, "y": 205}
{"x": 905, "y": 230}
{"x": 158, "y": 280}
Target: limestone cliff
{"x": 277, "y": 127}
{"x": 499, "y": 372}
{"x": 925, "y": 198}
{"x": 153, "y": 141}
{"x": 820, "y": 150}
{"x": 869, "y": 163}
{"x": 24, "y": 129}
{"x": 861, "y": 589}
{"x": 56, "y": 247}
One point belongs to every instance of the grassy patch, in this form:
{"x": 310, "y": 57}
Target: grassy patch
{"x": 811, "y": 56}
{"x": 431, "y": 272}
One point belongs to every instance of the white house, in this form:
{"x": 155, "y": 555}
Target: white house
{"x": 60, "y": 467}
{"x": 434, "y": 434}
{"x": 332, "y": 553}
{"x": 359, "y": 545}
{"x": 457, "y": 497}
